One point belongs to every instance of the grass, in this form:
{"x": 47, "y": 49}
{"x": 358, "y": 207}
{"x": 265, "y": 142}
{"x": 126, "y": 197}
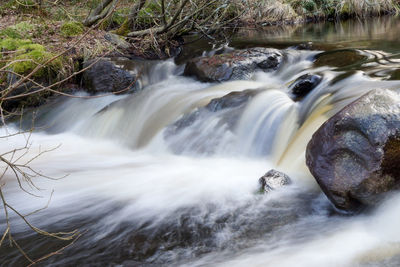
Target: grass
{"x": 291, "y": 10}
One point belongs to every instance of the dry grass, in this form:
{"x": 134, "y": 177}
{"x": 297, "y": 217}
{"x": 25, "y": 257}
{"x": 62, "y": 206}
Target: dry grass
{"x": 262, "y": 11}
{"x": 362, "y": 8}
{"x": 268, "y": 10}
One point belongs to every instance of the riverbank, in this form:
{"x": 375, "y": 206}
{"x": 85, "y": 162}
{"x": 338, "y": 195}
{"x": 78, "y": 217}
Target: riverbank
{"x": 52, "y": 39}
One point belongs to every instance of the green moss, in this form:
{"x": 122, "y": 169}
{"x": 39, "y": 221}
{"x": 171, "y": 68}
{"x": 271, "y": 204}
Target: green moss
{"x": 72, "y": 28}
{"x": 11, "y": 33}
{"x": 31, "y": 47}
{"x": 18, "y": 31}
{"x": 29, "y": 61}
{"x": 124, "y": 29}
{"x": 12, "y": 44}
{"x": 29, "y": 55}
{"x": 24, "y": 27}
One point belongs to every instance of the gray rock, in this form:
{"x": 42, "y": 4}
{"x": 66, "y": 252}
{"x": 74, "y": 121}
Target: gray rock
{"x": 117, "y": 40}
{"x": 272, "y": 180}
{"x": 236, "y": 65}
{"x": 105, "y": 76}
{"x": 355, "y": 155}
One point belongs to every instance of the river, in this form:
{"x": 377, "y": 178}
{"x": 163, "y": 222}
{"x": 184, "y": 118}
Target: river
{"x": 144, "y": 193}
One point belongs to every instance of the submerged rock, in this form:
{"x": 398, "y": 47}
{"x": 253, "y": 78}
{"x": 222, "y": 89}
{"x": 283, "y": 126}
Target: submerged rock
{"x": 232, "y": 100}
{"x": 105, "y": 76}
{"x": 206, "y": 128}
{"x": 236, "y": 65}
{"x": 355, "y": 155}
{"x": 304, "y": 84}
{"x": 273, "y": 180}
{"x": 339, "y": 58}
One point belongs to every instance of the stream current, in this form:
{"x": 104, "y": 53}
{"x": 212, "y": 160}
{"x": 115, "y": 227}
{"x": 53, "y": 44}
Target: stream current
{"x": 145, "y": 194}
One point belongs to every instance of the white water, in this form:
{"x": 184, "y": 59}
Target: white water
{"x": 198, "y": 207}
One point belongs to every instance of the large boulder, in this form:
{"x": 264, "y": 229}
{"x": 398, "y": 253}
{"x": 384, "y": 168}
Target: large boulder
{"x": 104, "y": 76}
{"x": 355, "y": 155}
{"x": 235, "y": 65}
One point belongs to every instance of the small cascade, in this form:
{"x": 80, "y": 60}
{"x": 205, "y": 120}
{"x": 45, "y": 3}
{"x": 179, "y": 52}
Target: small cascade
{"x": 169, "y": 175}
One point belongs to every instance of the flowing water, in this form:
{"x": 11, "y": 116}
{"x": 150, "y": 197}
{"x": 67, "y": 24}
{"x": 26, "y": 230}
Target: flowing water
{"x": 154, "y": 178}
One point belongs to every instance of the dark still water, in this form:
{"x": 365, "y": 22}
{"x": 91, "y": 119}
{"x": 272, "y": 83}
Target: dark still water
{"x": 144, "y": 193}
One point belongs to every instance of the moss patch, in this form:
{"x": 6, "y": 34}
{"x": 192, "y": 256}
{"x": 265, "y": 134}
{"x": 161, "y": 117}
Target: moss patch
{"x": 28, "y": 56}
{"x": 69, "y": 29}
{"x": 30, "y": 60}
{"x": 12, "y": 44}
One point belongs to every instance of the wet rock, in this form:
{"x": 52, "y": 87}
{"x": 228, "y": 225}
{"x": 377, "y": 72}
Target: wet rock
{"x": 355, "y": 155}
{"x": 273, "y": 180}
{"x": 236, "y": 65}
{"x": 117, "y": 41}
{"x": 207, "y": 127}
{"x": 105, "y": 76}
{"x": 29, "y": 100}
{"x": 303, "y": 85}
{"x": 339, "y": 58}
{"x": 229, "y": 101}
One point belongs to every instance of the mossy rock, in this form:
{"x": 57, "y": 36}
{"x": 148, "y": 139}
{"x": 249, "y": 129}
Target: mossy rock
{"x": 12, "y": 44}
{"x": 32, "y": 59}
{"x": 30, "y": 55}
{"x": 73, "y": 28}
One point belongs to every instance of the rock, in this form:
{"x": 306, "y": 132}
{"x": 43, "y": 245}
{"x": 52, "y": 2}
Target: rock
{"x": 105, "y": 76}
{"x": 355, "y": 155}
{"x": 303, "y": 85}
{"x": 207, "y": 127}
{"x": 30, "y": 100}
{"x": 232, "y": 100}
{"x": 236, "y": 65}
{"x": 116, "y": 40}
{"x": 273, "y": 180}
{"x": 339, "y": 58}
